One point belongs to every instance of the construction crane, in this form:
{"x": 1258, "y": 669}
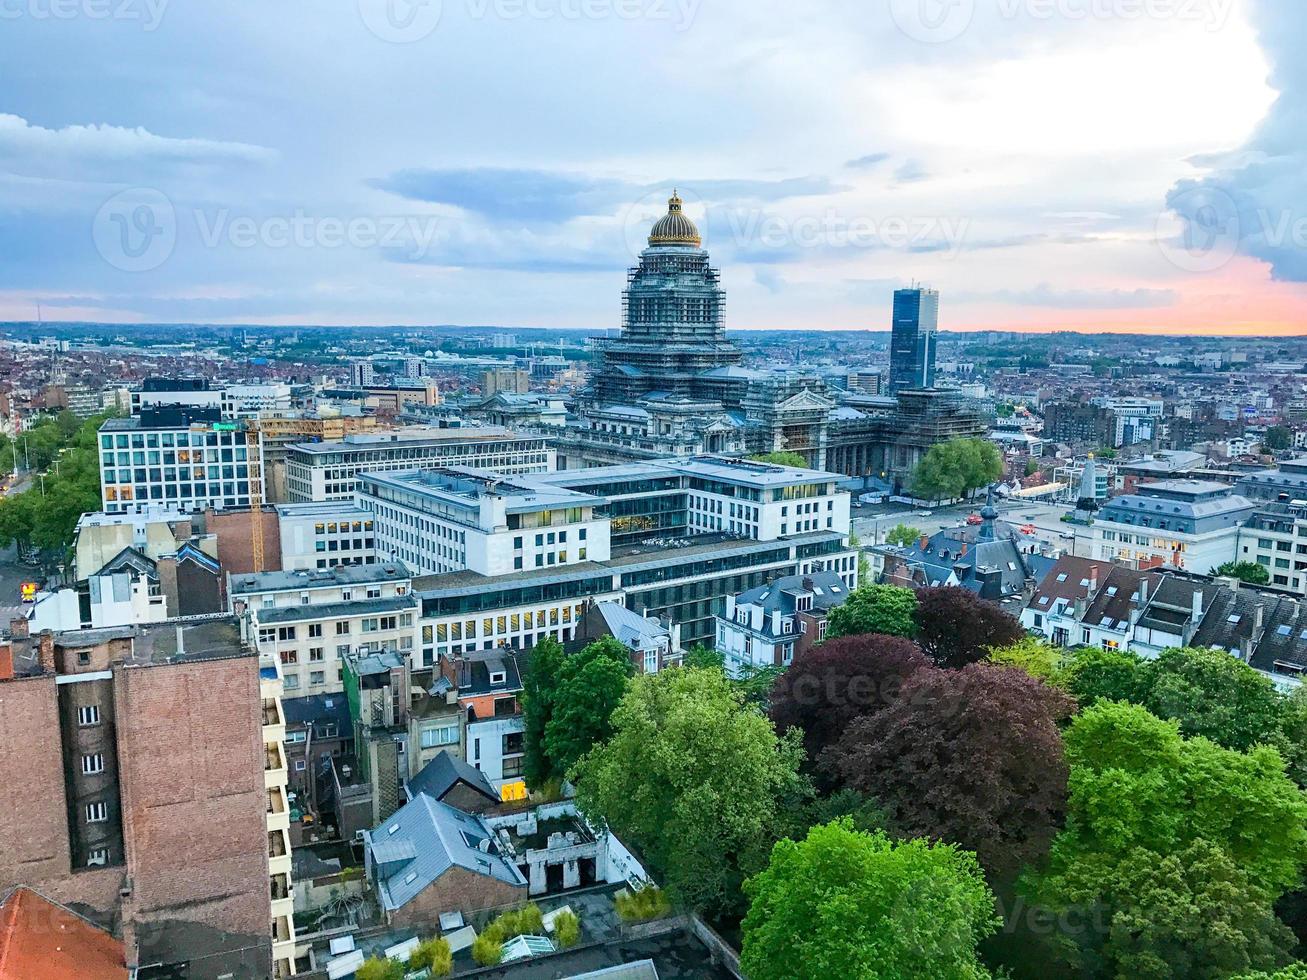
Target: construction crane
{"x": 254, "y": 450}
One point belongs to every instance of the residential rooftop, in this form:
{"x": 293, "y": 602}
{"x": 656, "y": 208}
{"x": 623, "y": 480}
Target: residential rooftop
{"x": 319, "y": 578}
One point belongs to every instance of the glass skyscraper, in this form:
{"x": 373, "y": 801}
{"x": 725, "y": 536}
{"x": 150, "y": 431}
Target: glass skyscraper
{"x": 912, "y": 342}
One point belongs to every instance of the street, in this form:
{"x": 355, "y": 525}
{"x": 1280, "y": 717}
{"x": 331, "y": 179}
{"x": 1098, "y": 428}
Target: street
{"x": 872, "y": 523}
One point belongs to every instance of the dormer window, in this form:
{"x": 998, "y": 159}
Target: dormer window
{"x": 498, "y": 677}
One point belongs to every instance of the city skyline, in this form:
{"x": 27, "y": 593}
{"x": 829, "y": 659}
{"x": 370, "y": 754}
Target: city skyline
{"x": 430, "y": 179}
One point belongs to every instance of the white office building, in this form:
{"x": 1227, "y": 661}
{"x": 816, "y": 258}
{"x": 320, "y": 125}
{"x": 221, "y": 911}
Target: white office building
{"x": 325, "y": 535}
{"x": 1187, "y": 524}
{"x": 320, "y": 471}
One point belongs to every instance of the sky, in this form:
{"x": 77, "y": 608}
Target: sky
{"x": 1116, "y": 165}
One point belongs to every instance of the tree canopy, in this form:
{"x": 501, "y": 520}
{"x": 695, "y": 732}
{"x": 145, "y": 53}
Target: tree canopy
{"x": 956, "y": 627}
{"x": 971, "y": 756}
{"x": 782, "y": 457}
{"x": 1251, "y": 572}
{"x": 694, "y": 779}
{"x": 1094, "y": 674}
{"x": 1033, "y": 655}
{"x": 842, "y": 903}
{"x": 828, "y": 686}
{"x": 955, "y": 468}
{"x": 888, "y": 609}
{"x": 539, "y": 692}
{"x": 1167, "y": 836}
{"x": 903, "y": 535}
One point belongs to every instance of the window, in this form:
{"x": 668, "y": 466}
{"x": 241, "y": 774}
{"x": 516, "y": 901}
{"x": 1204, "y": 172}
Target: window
{"x": 97, "y": 812}
{"x": 93, "y": 764}
{"x": 290, "y": 682}
{"x": 294, "y": 738}
{"x": 289, "y": 657}
{"x": 315, "y": 654}
{"x": 285, "y": 632}
{"x": 342, "y": 628}
{"x": 317, "y": 677}
{"x": 98, "y": 858}
{"x": 88, "y": 715}
{"x": 300, "y": 765}
{"x": 315, "y": 631}
{"x": 440, "y": 735}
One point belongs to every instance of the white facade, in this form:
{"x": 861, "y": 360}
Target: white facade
{"x": 310, "y": 620}
{"x": 325, "y": 535}
{"x": 439, "y": 522}
{"x": 234, "y": 401}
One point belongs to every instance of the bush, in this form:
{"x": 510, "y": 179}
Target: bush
{"x": 434, "y": 955}
{"x": 486, "y": 949}
{"x": 526, "y": 921}
{"x": 567, "y": 929}
{"x": 380, "y": 969}
{"x": 647, "y": 903}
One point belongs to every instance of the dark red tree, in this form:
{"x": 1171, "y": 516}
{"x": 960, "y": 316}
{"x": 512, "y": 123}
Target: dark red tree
{"x": 971, "y": 756}
{"x": 829, "y": 686}
{"x": 956, "y": 627}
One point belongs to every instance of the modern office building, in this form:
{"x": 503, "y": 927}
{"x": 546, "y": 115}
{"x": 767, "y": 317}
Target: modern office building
{"x": 178, "y": 457}
{"x": 912, "y": 339}
{"x": 143, "y": 770}
{"x": 451, "y": 520}
{"x": 321, "y": 471}
{"x": 324, "y": 535}
{"x": 311, "y": 620}
{"x": 239, "y": 400}
{"x": 1187, "y": 524}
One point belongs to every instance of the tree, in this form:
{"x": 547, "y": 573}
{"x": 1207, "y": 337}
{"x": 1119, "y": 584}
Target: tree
{"x": 1094, "y": 675}
{"x": 955, "y": 468}
{"x": 956, "y": 627}
{"x": 695, "y": 780}
{"x": 829, "y": 686}
{"x": 539, "y": 691}
{"x": 1167, "y": 837}
{"x": 589, "y": 686}
{"x": 971, "y": 756}
{"x": 887, "y": 609}
{"x": 1032, "y": 467}
{"x": 1294, "y": 971}
{"x": 703, "y": 658}
{"x": 1034, "y": 656}
{"x": 842, "y": 903}
{"x": 433, "y": 954}
{"x": 380, "y": 968}
{"x": 903, "y": 535}
{"x": 1213, "y": 694}
{"x": 1277, "y": 438}
{"x": 782, "y": 457}
{"x": 1245, "y": 571}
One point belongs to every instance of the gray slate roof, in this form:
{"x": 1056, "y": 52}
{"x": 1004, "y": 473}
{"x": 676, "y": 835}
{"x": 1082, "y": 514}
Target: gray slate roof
{"x": 422, "y": 841}
{"x": 443, "y": 772}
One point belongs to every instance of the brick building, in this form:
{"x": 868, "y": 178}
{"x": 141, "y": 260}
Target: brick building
{"x": 135, "y": 789}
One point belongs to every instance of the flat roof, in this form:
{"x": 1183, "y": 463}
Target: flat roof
{"x": 713, "y": 467}
{"x": 187, "y": 638}
{"x": 464, "y": 484}
{"x": 317, "y": 578}
{"x": 322, "y": 508}
{"x": 358, "y": 442}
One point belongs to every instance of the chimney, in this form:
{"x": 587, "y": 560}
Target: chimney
{"x": 924, "y": 543}
{"x": 1093, "y": 580}
{"x": 45, "y": 652}
{"x": 963, "y": 552}
{"x": 181, "y": 640}
{"x": 6, "y": 663}
{"x": 1197, "y": 609}
{"x": 19, "y": 628}
{"x": 1259, "y": 617}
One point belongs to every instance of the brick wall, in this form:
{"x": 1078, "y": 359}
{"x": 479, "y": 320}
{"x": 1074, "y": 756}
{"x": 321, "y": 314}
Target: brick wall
{"x": 459, "y": 889}
{"x": 235, "y": 545}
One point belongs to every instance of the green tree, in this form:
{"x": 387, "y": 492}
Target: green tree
{"x": 434, "y": 955}
{"x": 842, "y": 903}
{"x": 1094, "y": 675}
{"x": 1245, "y": 571}
{"x": 1214, "y": 828}
{"x": 1277, "y": 438}
{"x": 590, "y": 684}
{"x": 903, "y": 535}
{"x": 700, "y": 657}
{"x": 1032, "y": 467}
{"x": 380, "y": 968}
{"x": 1214, "y": 694}
{"x": 694, "y": 779}
{"x": 955, "y": 468}
{"x": 887, "y": 609}
{"x": 1294, "y": 971}
{"x": 782, "y": 457}
{"x": 1034, "y": 656}
{"x": 539, "y": 691}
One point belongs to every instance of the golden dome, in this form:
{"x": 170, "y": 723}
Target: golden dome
{"x": 674, "y": 228}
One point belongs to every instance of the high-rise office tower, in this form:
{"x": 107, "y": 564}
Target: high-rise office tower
{"x": 912, "y": 343}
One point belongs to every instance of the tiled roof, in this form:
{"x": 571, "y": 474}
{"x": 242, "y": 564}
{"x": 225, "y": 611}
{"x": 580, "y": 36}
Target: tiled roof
{"x": 40, "y": 940}
{"x": 440, "y": 775}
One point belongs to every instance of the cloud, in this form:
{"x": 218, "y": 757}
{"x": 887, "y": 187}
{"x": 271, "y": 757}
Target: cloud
{"x": 911, "y": 172}
{"x": 1257, "y": 196}
{"x": 96, "y": 151}
{"x": 867, "y": 162}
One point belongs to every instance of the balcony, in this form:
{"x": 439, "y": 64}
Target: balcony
{"x": 278, "y": 853}
{"x": 274, "y": 766}
{"x": 283, "y": 896}
{"x": 274, "y": 722}
{"x": 278, "y": 811}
